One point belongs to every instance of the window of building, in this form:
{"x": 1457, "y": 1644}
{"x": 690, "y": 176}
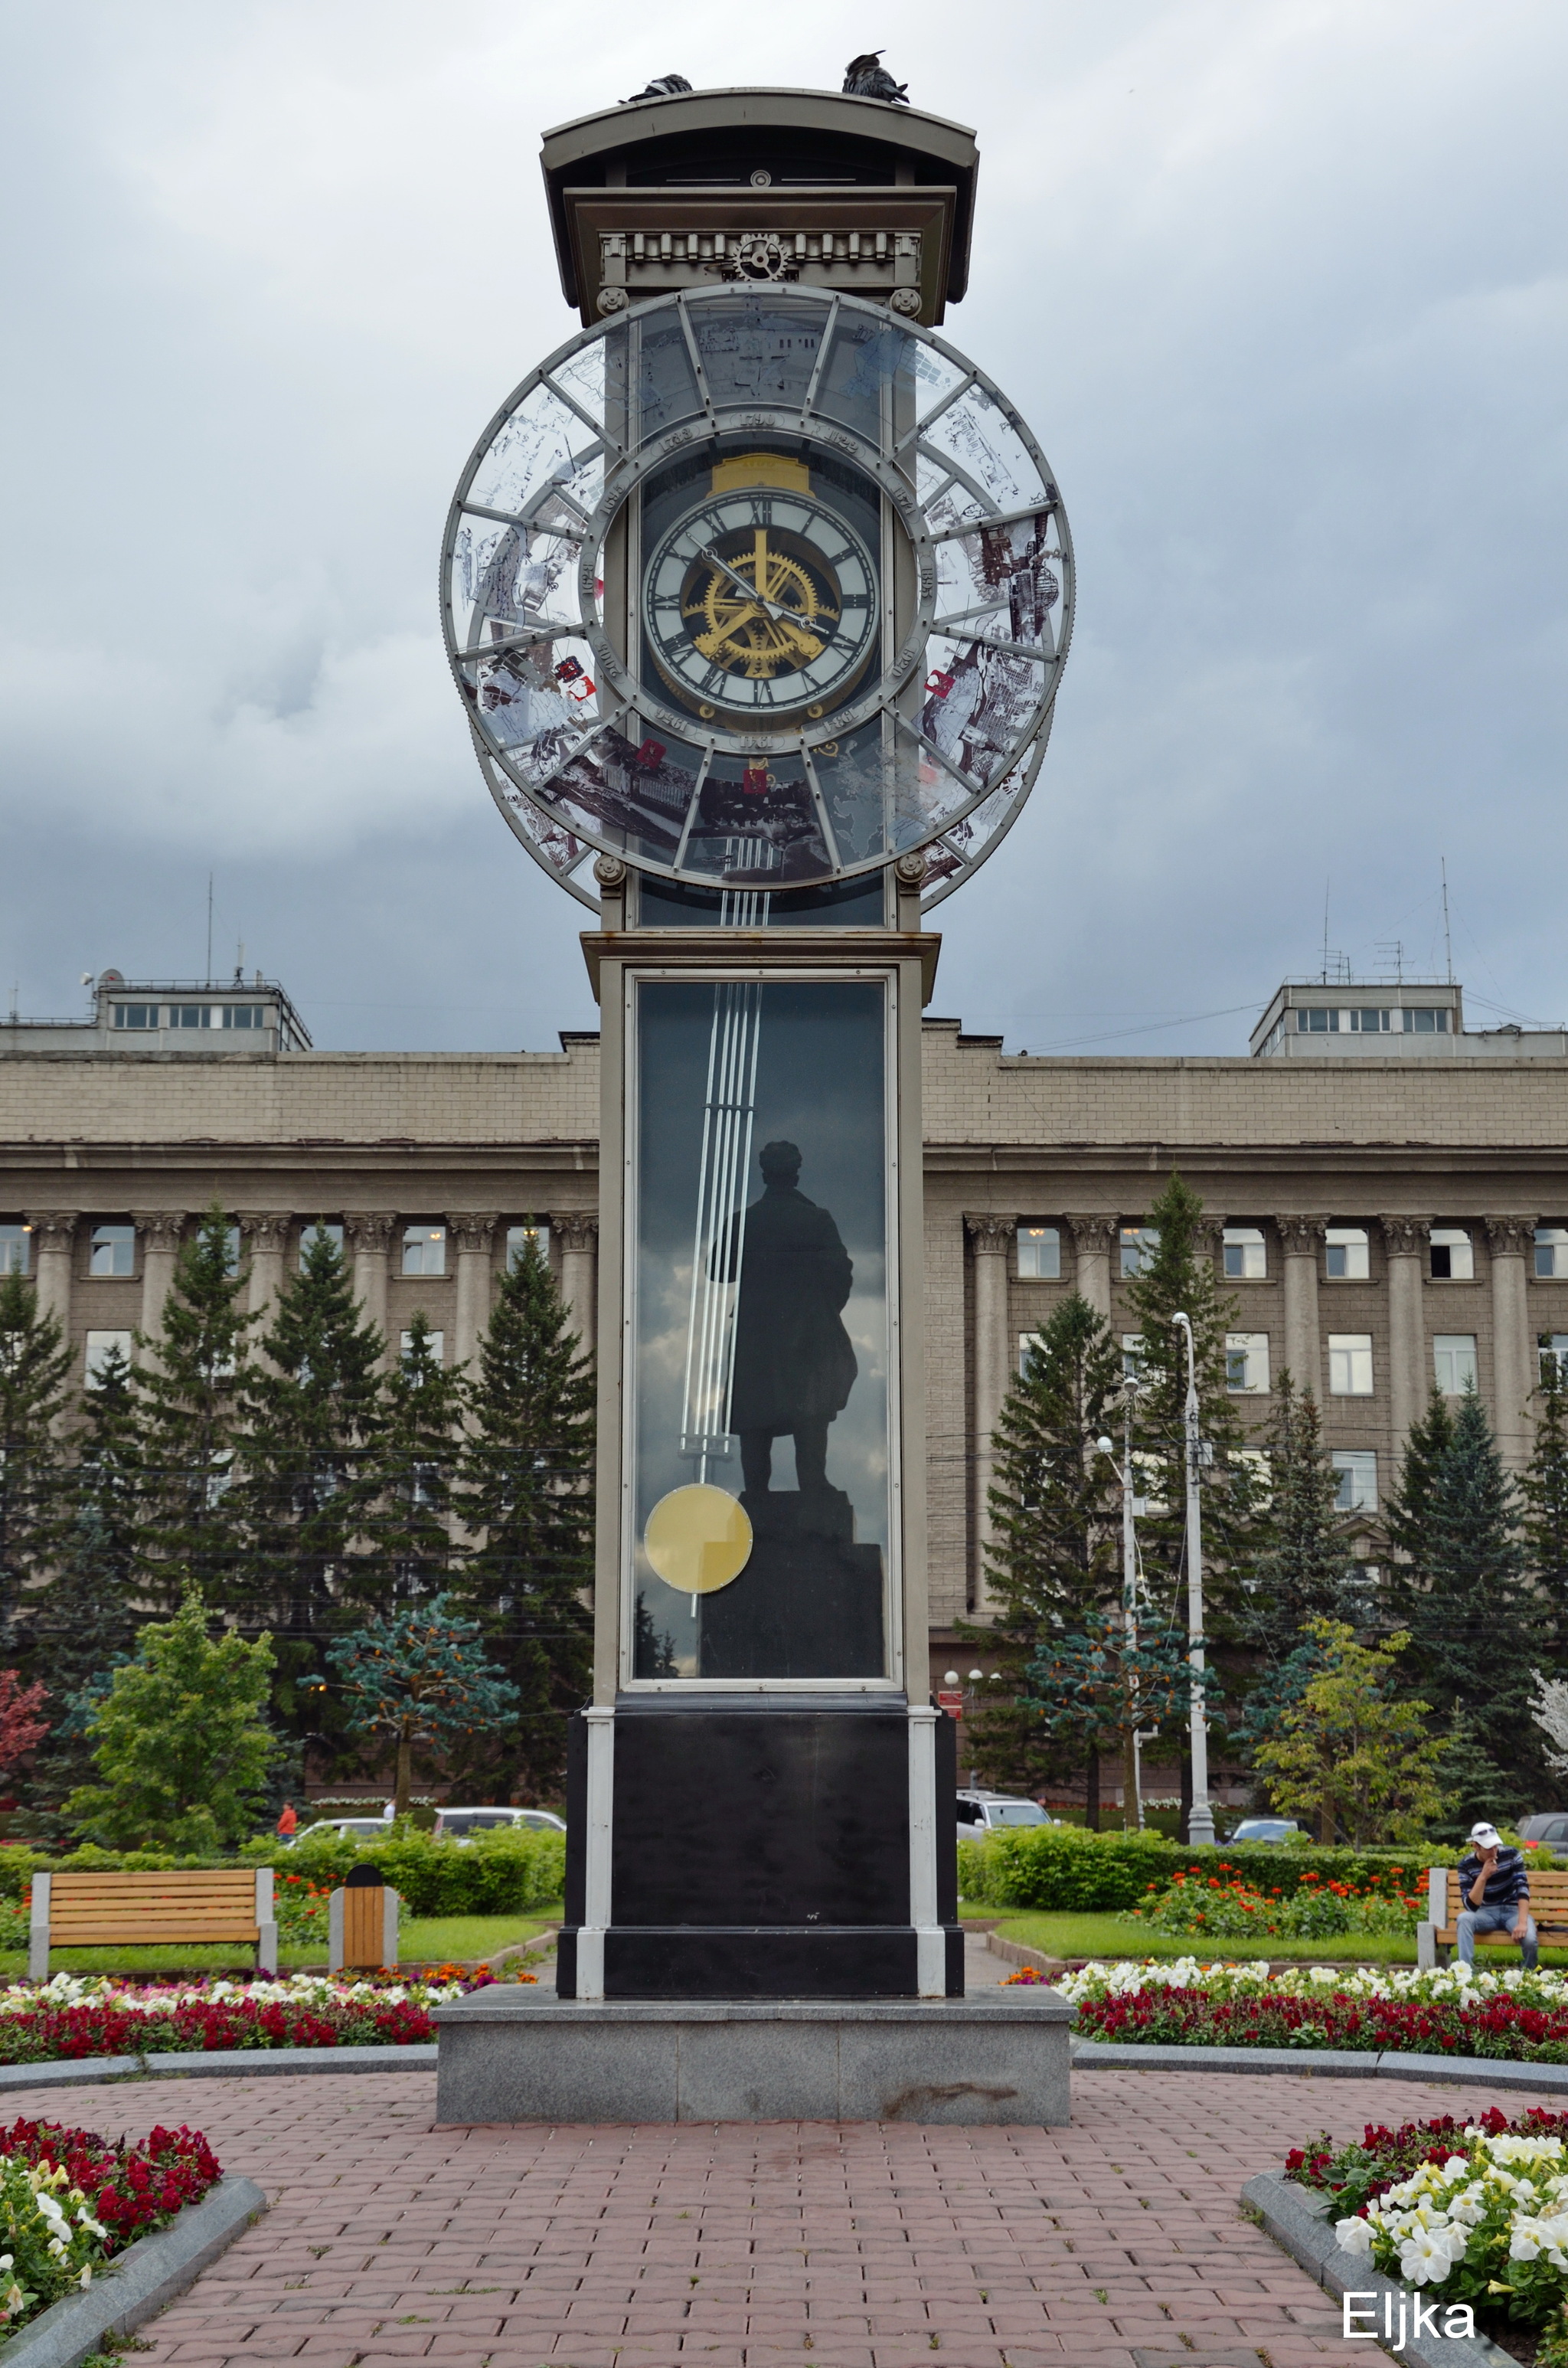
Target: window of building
{"x": 1351, "y": 1364}
{"x": 324, "y": 1229}
{"x": 1358, "y": 1470}
{"x": 1554, "y": 1358}
{"x": 1028, "y": 1340}
{"x": 1131, "y": 1356}
{"x": 190, "y": 1015}
{"x": 1139, "y": 1244}
{"x": 1346, "y": 1253}
{"x": 425, "y": 1250}
{"x": 1453, "y": 1358}
{"x": 1550, "y": 1251}
{"x": 1366, "y": 1022}
{"x": 1039, "y": 1252}
{"x": 104, "y": 1348}
{"x": 1317, "y": 1019}
{"x": 1260, "y": 1471}
{"x": 1246, "y": 1259}
{"x": 1453, "y": 1254}
{"x": 1422, "y": 1020}
{"x": 1246, "y": 1363}
{"x": 16, "y": 1241}
{"x": 435, "y": 1341}
{"x": 233, "y": 1248}
{"x": 113, "y": 1250}
{"x": 135, "y": 1015}
{"x": 243, "y": 1015}
{"x": 518, "y": 1237}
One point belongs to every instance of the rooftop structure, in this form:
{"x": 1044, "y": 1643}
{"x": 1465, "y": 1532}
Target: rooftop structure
{"x": 1423, "y": 1019}
{"x": 174, "y": 1016}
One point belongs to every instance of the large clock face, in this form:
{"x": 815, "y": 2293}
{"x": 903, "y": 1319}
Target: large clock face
{"x": 760, "y": 600}
{"x": 756, "y": 588}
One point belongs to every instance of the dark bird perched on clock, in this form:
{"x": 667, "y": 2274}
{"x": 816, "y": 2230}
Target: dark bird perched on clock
{"x": 661, "y": 86}
{"x": 864, "y": 77}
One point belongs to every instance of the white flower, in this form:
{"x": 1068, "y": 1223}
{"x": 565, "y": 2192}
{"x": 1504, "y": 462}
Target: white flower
{"x": 1425, "y": 2257}
{"x": 1355, "y": 2234}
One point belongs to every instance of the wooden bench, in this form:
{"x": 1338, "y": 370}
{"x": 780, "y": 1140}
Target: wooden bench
{"x": 98, "y": 1911}
{"x": 1548, "y": 1905}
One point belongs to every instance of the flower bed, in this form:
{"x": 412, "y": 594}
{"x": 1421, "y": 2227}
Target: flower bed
{"x": 1475, "y": 2212}
{"x": 1224, "y": 1905}
{"x": 1515, "y": 2015}
{"x": 70, "y": 2201}
{"x": 77, "y": 2015}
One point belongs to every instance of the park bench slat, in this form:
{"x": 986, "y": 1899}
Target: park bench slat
{"x": 80, "y": 1909}
{"x": 1549, "y": 1906}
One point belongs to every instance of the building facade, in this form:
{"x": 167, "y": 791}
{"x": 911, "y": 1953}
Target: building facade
{"x": 1382, "y": 1223}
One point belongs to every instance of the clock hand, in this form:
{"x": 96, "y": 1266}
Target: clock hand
{"x": 774, "y": 608}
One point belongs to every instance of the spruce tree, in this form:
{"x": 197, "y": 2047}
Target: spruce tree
{"x": 34, "y": 1362}
{"x": 1054, "y": 1561}
{"x": 84, "y": 1621}
{"x": 1303, "y": 1569}
{"x": 417, "y": 1459}
{"x": 188, "y": 1385}
{"x": 314, "y": 1422}
{"x": 1544, "y": 1487}
{"x": 526, "y": 1500}
{"x": 1476, "y": 1624}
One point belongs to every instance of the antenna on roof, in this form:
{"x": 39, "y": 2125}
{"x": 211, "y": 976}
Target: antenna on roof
{"x": 209, "y": 929}
{"x": 1448, "y": 940}
{"x": 1325, "y": 888}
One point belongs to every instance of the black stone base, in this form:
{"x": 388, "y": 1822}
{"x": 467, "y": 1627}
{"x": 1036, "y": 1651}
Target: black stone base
{"x": 759, "y": 1961}
{"x": 809, "y": 1600}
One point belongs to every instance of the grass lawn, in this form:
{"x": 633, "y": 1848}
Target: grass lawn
{"x": 1115, "y": 1936}
{"x": 426, "y": 1940}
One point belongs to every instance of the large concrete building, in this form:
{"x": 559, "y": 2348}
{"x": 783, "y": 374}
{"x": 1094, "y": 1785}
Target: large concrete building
{"x": 1389, "y": 1197}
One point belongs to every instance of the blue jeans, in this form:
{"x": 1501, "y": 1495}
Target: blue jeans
{"x": 1495, "y": 1919}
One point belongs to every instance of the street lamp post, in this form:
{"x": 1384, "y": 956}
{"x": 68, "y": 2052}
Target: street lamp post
{"x": 1201, "y": 1821}
{"x": 1132, "y": 1779}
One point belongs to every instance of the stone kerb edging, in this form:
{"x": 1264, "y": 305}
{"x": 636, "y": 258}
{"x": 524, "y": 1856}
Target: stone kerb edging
{"x": 1299, "y": 2222}
{"x": 83, "y": 2071}
{"x": 146, "y": 2278}
{"x": 1323, "y": 2064}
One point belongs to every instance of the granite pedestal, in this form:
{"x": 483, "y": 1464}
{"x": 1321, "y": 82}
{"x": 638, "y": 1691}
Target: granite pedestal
{"x": 511, "y": 2054}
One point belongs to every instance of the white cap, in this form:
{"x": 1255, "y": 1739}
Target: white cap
{"x": 1487, "y": 1836}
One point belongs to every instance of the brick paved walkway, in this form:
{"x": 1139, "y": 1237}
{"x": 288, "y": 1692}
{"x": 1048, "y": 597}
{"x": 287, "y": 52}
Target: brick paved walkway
{"x": 1115, "y": 2242}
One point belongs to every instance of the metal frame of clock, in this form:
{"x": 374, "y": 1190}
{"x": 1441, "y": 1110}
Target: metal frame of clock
{"x": 762, "y": 587}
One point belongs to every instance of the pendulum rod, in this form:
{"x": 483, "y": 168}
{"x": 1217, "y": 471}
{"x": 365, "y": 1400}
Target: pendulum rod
{"x": 718, "y": 1242}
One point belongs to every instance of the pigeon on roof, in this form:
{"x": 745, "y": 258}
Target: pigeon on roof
{"x": 661, "y": 86}
{"x": 864, "y": 78}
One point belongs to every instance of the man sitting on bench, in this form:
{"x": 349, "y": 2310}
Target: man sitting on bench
{"x": 1495, "y": 1890}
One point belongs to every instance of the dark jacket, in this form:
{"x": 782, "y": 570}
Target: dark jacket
{"x": 1506, "y": 1885}
{"x": 794, "y": 1361}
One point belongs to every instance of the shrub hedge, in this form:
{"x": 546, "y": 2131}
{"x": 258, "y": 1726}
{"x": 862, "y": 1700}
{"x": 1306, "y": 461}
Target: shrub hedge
{"x": 1068, "y": 1871}
{"x": 502, "y": 1874}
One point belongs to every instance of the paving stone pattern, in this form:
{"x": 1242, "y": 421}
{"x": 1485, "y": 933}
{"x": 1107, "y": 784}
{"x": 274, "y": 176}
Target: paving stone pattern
{"x": 1112, "y": 2242}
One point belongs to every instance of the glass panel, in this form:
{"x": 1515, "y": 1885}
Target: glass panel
{"x": 106, "y": 1350}
{"x": 975, "y": 441}
{"x": 542, "y": 446}
{"x": 871, "y": 374}
{"x": 503, "y": 577}
{"x": 1039, "y": 1252}
{"x": 760, "y": 1361}
{"x": 113, "y": 1250}
{"x": 978, "y": 703}
{"x": 537, "y": 703}
{"x": 635, "y": 795}
{"x": 14, "y": 1243}
{"x": 655, "y": 350}
{"x": 862, "y": 783}
{"x": 518, "y": 1238}
{"x": 330, "y": 1231}
{"x": 1006, "y": 581}
{"x": 754, "y": 351}
{"x": 757, "y": 823}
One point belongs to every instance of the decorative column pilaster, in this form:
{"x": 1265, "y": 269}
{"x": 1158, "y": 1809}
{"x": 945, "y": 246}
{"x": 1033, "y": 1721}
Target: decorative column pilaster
{"x": 265, "y": 1233}
{"x": 577, "y": 1233}
{"x": 1511, "y": 1242}
{"x": 158, "y": 1237}
{"x": 54, "y": 1249}
{"x": 1094, "y": 1239}
{"x": 370, "y": 1232}
{"x": 474, "y": 1234}
{"x": 991, "y": 1243}
{"x": 1302, "y": 1238}
{"x": 1406, "y": 1241}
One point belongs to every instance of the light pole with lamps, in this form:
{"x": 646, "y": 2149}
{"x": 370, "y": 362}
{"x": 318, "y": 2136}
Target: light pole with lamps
{"x": 1132, "y": 1778}
{"x": 1200, "y": 1818}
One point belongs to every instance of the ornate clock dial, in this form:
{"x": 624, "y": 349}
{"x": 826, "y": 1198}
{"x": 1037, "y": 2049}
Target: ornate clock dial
{"x": 761, "y": 600}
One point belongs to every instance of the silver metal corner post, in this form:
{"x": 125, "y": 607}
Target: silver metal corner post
{"x": 1200, "y": 1819}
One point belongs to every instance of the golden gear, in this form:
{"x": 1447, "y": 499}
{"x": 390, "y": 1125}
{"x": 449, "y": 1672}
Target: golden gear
{"x": 748, "y": 603}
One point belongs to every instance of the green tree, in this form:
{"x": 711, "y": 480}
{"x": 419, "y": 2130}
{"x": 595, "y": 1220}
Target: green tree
{"x": 189, "y": 1385}
{"x": 1054, "y": 1559}
{"x": 419, "y": 1678}
{"x": 313, "y": 1425}
{"x": 1305, "y": 1569}
{"x": 1544, "y": 1489}
{"x": 1098, "y": 1683}
{"x": 34, "y": 1362}
{"x": 417, "y": 1461}
{"x": 1351, "y": 1754}
{"x": 180, "y": 1741}
{"x": 1463, "y": 1593}
{"x": 526, "y": 1498}
{"x": 84, "y": 1620}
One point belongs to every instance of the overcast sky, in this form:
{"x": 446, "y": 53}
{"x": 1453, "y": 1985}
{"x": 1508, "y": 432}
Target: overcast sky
{"x": 1279, "y": 285}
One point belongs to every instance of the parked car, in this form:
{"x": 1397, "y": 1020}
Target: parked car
{"x": 1267, "y": 1829}
{"x": 462, "y": 1825}
{"x": 352, "y": 1829}
{"x": 986, "y": 1813}
{"x": 1549, "y": 1831}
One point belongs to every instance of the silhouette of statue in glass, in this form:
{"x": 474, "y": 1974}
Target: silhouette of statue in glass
{"x": 794, "y": 1365}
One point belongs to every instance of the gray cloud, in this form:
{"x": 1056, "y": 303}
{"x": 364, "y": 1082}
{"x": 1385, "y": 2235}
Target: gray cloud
{"x": 1280, "y": 283}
